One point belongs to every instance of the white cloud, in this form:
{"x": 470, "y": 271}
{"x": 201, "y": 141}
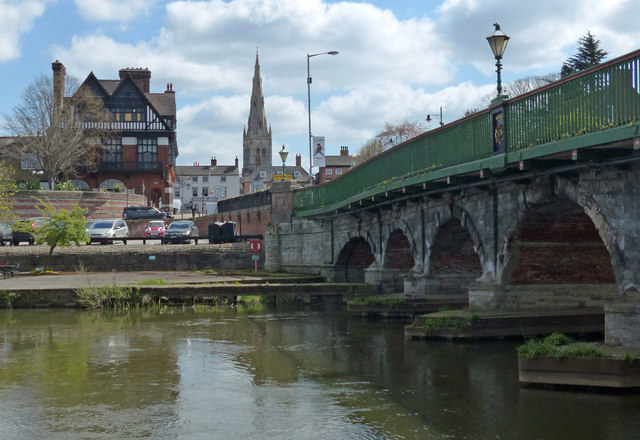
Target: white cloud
{"x": 388, "y": 69}
{"x": 16, "y": 19}
{"x": 113, "y": 10}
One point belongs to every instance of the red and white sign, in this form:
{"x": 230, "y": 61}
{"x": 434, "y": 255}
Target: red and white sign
{"x": 255, "y": 245}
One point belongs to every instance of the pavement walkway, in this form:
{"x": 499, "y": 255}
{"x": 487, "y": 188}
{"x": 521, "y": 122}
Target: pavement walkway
{"x": 95, "y": 279}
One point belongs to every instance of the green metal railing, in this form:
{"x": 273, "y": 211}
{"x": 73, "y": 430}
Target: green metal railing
{"x": 595, "y": 100}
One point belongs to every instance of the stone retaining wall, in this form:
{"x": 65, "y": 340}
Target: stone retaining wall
{"x": 132, "y": 257}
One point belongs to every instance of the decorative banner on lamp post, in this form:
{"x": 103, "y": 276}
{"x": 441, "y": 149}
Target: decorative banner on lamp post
{"x": 318, "y": 151}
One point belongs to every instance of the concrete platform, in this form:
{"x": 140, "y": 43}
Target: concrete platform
{"x": 465, "y": 324}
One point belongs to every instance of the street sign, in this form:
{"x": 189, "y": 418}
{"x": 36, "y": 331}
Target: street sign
{"x": 255, "y": 245}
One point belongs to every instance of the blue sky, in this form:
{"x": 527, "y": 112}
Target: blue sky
{"x": 399, "y": 59}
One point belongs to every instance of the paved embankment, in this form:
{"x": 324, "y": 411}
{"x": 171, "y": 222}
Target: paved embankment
{"x": 58, "y": 290}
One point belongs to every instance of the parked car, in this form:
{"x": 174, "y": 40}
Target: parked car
{"x": 181, "y": 231}
{"x": 5, "y": 234}
{"x": 26, "y": 233}
{"x": 108, "y": 230}
{"x": 155, "y": 228}
{"x": 137, "y": 212}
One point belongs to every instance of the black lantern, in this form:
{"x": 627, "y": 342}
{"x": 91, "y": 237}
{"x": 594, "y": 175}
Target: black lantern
{"x": 283, "y": 156}
{"x": 498, "y": 41}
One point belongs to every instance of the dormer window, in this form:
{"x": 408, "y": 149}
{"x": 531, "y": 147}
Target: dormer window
{"x": 127, "y": 114}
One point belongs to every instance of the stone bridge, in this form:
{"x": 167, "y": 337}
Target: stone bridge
{"x": 531, "y": 204}
{"x": 556, "y": 241}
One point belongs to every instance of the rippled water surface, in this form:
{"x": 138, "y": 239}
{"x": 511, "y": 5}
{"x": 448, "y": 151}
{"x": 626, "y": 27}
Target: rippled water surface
{"x": 274, "y": 374}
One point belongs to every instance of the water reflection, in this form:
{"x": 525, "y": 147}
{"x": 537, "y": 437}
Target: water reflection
{"x": 285, "y": 373}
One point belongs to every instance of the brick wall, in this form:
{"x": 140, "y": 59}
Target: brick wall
{"x": 99, "y": 204}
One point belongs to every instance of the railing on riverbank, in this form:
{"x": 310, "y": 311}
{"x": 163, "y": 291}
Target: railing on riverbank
{"x": 542, "y": 122}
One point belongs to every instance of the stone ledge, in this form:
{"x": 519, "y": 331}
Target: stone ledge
{"x": 606, "y": 372}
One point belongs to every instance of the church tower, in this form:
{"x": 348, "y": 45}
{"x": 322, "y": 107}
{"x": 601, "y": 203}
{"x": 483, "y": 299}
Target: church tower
{"x": 256, "y": 140}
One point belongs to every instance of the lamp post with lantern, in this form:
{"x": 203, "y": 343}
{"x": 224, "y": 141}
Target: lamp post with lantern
{"x": 498, "y": 41}
{"x": 283, "y": 156}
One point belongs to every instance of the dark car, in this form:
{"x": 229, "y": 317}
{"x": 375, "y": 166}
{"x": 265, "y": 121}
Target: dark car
{"x": 23, "y": 233}
{"x": 181, "y": 231}
{"x": 145, "y": 212}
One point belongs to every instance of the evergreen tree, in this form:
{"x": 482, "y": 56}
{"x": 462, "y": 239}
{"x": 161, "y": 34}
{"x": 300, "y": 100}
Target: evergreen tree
{"x": 589, "y": 55}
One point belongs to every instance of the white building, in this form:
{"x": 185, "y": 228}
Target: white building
{"x": 206, "y": 185}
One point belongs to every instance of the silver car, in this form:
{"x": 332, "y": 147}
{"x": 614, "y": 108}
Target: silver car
{"x": 108, "y": 230}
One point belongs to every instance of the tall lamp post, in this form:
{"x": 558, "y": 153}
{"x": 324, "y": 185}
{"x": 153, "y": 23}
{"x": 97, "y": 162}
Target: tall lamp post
{"x": 283, "y": 156}
{"x": 333, "y": 53}
{"x": 498, "y": 41}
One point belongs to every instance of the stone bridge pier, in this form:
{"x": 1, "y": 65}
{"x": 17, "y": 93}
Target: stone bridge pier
{"x": 544, "y": 242}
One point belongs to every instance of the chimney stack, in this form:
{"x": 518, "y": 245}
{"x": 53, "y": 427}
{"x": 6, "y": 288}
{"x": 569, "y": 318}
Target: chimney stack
{"x": 344, "y": 151}
{"x": 298, "y": 160}
{"x": 59, "y": 73}
{"x": 214, "y": 162}
{"x": 141, "y": 76}
{"x": 236, "y": 161}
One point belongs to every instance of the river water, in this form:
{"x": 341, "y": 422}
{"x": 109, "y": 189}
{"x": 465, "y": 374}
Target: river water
{"x": 285, "y": 373}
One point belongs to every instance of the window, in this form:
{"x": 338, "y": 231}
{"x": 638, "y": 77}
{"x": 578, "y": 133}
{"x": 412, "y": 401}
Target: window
{"x": 111, "y": 154}
{"x": 263, "y": 174}
{"x": 205, "y": 191}
{"x": 128, "y": 114}
{"x": 205, "y": 179}
{"x": 338, "y": 170}
{"x": 223, "y": 179}
{"x": 195, "y": 191}
{"x": 29, "y": 161}
{"x": 176, "y": 192}
{"x": 112, "y": 185}
{"x": 296, "y": 174}
{"x": 328, "y": 171}
{"x": 147, "y": 153}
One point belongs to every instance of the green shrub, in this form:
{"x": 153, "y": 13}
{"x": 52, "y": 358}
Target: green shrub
{"x": 7, "y": 299}
{"x": 107, "y": 297}
{"x": 391, "y": 300}
{"x": 557, "y": 346}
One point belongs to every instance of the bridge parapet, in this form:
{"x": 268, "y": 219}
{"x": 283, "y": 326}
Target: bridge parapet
{"x": 595, "y": 107}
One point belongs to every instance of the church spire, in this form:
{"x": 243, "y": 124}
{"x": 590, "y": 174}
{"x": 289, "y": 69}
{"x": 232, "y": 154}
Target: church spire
{"x": 257, "y": 124}
{"x": 256, "y": 148}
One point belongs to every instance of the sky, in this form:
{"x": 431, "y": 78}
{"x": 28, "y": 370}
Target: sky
{"x": 399, "y": 60}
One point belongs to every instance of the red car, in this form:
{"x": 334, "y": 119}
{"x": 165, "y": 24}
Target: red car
{"x": 155, "y": 228}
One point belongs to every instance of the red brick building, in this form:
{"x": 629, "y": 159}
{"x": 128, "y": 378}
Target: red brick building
{"x": 335, "y": 166}
{"x": 140, "y": 156}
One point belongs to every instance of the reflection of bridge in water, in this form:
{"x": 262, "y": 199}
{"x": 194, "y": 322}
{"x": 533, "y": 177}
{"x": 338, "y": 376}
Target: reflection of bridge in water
{"x": 530, "y": 204}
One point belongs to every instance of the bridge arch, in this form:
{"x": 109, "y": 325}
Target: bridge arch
{"x": 453, "y": 260}
{"x": 456, "y": 215}
{"x": 556, "y": 258}
{"x": 356, "y": 253}
{"x": 398, "y": 253}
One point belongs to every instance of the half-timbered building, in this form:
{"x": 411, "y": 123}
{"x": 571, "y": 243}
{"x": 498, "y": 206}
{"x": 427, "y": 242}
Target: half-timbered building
{"x": 140, "y": 154}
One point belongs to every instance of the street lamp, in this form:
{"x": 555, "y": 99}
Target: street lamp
{"x": 498, "y": 41}
{"x": 283, "y": 155}
{"x": 333, "y": 52}
{"x": 429, "y": 118}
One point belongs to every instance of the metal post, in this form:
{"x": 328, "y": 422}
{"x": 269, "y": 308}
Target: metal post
{"x": 309, "y": 109}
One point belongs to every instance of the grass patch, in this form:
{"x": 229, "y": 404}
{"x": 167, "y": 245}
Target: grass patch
{"x": 391, "y": 300}
{"x": 557, "y": 346}
{"x": 449, "y": 322}
{"x": 152, "y": 282}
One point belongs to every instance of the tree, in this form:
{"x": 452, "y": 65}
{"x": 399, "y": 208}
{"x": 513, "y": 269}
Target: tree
{"x": 64, "y": 228}
{"x": 393, "y": 135}
{"x": 7, "y": 190}
{"x": 51, "y": 137}
{"x": 589, "y": 55}
{"x": 369, "y": 149}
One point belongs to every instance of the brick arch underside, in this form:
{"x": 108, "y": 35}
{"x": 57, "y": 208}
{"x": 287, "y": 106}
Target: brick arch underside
{"x": 353, "y": 259}
{"x": 453, "y": 259}
{"x": 557, "y": 243}
{"x": 398, "y": 258}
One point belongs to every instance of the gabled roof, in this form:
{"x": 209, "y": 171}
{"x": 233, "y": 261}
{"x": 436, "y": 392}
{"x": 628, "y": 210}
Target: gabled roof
{"x": 164, "y": 104}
